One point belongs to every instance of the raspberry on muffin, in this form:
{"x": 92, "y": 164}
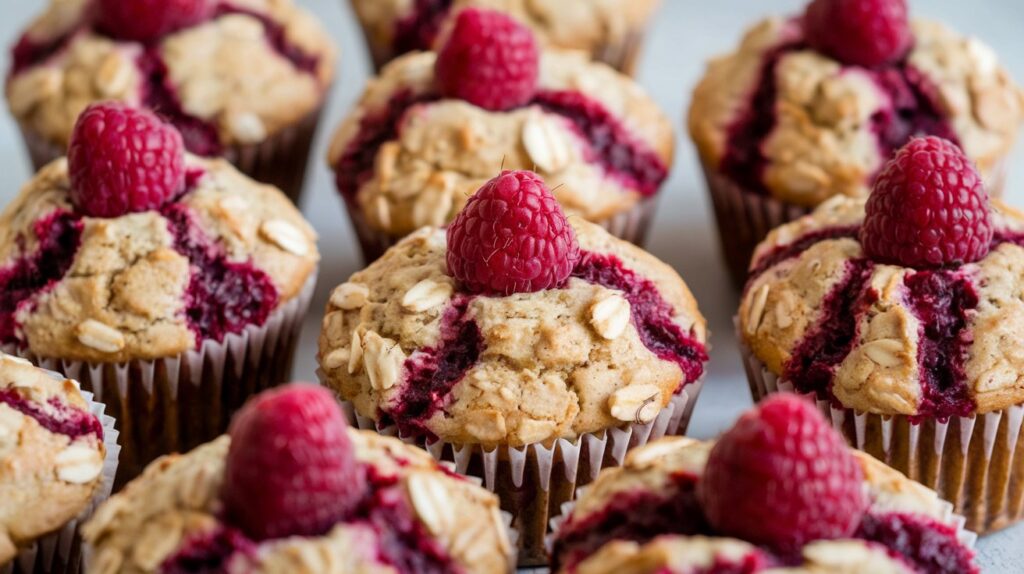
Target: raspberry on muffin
{"x": 318, "y": 497}
{"x": 810, "y": 107}
{"x": 433, "y": 127}
{"x": 900, "y": 315}
{"x": 761, "y": 497}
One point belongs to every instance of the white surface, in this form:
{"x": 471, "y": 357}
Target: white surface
{"x": 684, "y": 36}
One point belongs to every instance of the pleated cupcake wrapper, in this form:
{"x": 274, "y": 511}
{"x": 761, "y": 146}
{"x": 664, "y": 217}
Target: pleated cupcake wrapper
{"x": 745, "y": 217}
{"x": 60, "y": 552}
{"x": 631, "y": 226}
{"x": 976, "y": 463}
{"x": 533, "y": 481}
{"x": 176, "y": 403}
{"x": 279, "y": 160}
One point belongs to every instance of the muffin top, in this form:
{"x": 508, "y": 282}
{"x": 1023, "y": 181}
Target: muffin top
{"x": 652, "y": 512}
{"x": 781, "y": 118}
{"x": 52, "y": 451}
{"x": 225, "y": 72}
{"x": 408, "y": 157}
{"x": 408, "y": 513}
{"x": 409, "y": 345}
{"x": 405, "y": 25}
{"x": 212, "y": 257}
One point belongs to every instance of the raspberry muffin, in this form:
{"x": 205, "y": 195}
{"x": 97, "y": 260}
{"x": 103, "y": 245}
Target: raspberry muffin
{"x": 777, "y": 493}
{"x": 171, "y": 286}
{"x": 528, "y": 349}
{"x": 611, "y": 31}
{"x": 319, "y": 498}
{"x": 809, "y": 108}
{"x": 901, "y": 316}
{"x": 59, "y": 457}
{"x": 432, "y": 128}
{"x": 243, "y": 80}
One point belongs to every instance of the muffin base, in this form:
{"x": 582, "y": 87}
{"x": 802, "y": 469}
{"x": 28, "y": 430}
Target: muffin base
{"x": 61, "y": 552}
{"x": 632, "y": 226}
{"x": 534, "y": 481}
{"x": 177, "y": 403}
{"x": 977, "y": 463}
{"x": 280, "y": 160}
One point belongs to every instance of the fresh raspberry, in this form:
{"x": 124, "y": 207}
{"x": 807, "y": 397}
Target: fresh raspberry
{"x": 489, "y": 59}
{"x": 781, "y": 477}
{"x": 865, "y": 33}
{"x": 149, "y": 20}
{"x": 928, "y": 208}
{"x": 291, "y": 468}
{"x": 123, "y": 160}
{"x": 512, "y": 237}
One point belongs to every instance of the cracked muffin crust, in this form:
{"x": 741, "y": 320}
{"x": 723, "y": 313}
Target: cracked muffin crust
{"x": 52, "y": 454}
{"x": 221, "y": 256}
{"x": 611, "y": 347}
{"x": 645, "y": 515}
{"x": 608, "y": 29}
{"x": 252, "y": 69}
{"x": 168, "y": 515}
{"x": 868, "y": 336}
{"x": 404, "y": 158}
{"x": 782, "y": 120}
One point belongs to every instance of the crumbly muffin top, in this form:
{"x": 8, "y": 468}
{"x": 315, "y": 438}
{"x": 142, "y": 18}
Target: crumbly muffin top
{"x": 409, "y": 159}
{"x": 881, "y": 338}
{"x": 174, "y": 507}
{"x": 221, "y": 257}
{"x": 588, "y": 25}
{"x": 402, "y": 343}
{"x": 254, "y": 68}
{"x": 661, "y": 478}
{"x": 785, "y": 120}
{"x": 52, "y": 454}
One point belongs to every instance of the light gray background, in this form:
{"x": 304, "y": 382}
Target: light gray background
{"x": 685, "y": 34}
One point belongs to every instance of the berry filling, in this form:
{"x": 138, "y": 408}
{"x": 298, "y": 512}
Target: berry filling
{"x": 209, "y": 552}
{"x": 791, "y": 250}
{"x": 608, "y": 141}
{"x": 813, "y": 362}
{"x": 432, "y": 373}
{"x": 28, "y": 51}
{"x": 29, "y": 275}
{"x": 942, "y": 301}
{"x": 914, "y": 109}
{"x": 418, "y": 30}
{"x": 55, "y": 416}
{"x": 636, "y": 516}
{"x": 200, "y": 136}
{"x": 929, "y": 545}
{"x": 651, "y": 315}
{"x": 223, "y": 296}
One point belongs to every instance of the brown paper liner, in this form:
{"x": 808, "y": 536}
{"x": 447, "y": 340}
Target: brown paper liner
{"x": 535, "y": 480}
{"x": 631, "y": 226}
{"x": 177, "y": 403}
{"x": 60, "y": 552}
{"x": 280, "y": 160}
{"x": 977, "y": 462}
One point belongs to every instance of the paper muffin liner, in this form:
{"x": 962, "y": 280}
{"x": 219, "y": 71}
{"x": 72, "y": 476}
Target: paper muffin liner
{"x": 175, "y": 404}
{"x": 533, "y": 481}
{"x": 976, "y": 462}
{"x": 280, "y": 160}
{"x": 60, "y": 552}
{"x": 631, "y": 226}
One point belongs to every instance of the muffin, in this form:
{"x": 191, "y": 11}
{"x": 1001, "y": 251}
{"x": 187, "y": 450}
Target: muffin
{"x": 433, "y": 127}
{"x": 900, "y": 316}
{"x": 245, "y": 81}
{"x": 59, "y": 457}
{"x": 612, "y": 32}
{"x": 170, "y": 285}
{"x": 809, "y": 108}
{"x": 529, "y": 350}
{"x": 319, "y": 498}
{"x": 778, "y": 493}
